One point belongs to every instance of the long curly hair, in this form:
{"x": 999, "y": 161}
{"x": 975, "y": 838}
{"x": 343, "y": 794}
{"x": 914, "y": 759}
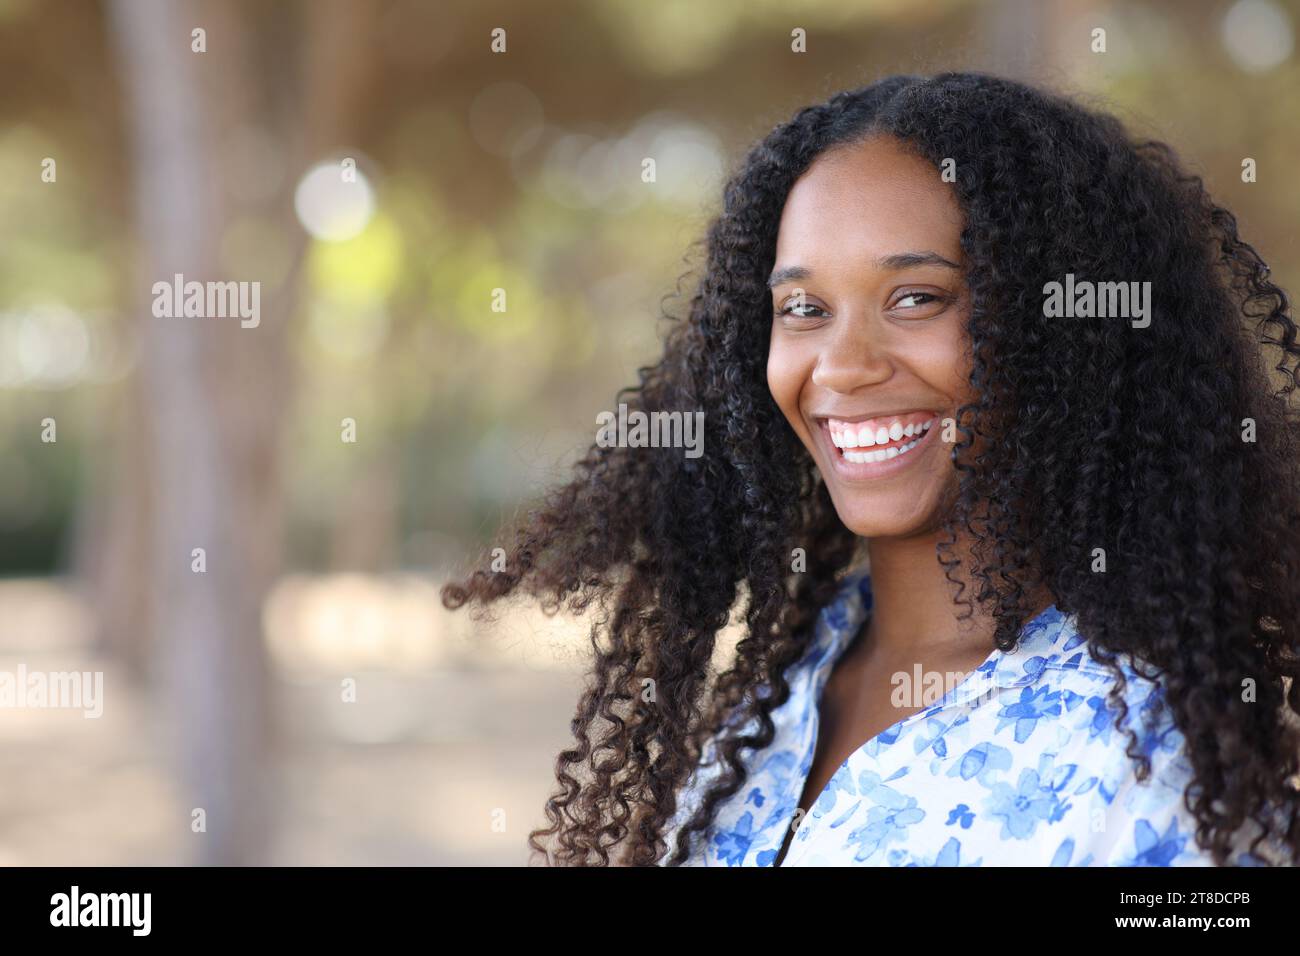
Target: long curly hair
{"x": 1173, "y": 447}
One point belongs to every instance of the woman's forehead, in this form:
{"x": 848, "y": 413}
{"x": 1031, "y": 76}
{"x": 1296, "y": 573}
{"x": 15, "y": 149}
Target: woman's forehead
{"x": 865, "y": 202}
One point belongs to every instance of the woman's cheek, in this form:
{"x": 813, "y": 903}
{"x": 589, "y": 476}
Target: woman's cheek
{"x": 787, "y": 374}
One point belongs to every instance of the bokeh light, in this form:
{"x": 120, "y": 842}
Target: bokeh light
{"x": 1258, "y": 35}
{"x": 334, "y": 201}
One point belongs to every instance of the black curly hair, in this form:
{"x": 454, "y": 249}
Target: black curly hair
{"x": 1092, "y": 435}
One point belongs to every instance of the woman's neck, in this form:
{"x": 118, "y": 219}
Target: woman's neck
{"x": 913, "y": 616}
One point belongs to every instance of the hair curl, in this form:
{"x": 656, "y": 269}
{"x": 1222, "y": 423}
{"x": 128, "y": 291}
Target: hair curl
{"x": 1098, "y": 435}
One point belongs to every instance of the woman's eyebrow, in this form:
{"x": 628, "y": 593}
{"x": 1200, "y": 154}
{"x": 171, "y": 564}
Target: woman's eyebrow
{"x": 899, "y": 260}
{"x": 905, "y": 260}
{"x": 787, "y": 274}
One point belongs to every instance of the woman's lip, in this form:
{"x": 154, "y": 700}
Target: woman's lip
{"x": 864, "y": 471}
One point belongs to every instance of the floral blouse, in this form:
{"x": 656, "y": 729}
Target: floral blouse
{"x": 1018, "y": 764}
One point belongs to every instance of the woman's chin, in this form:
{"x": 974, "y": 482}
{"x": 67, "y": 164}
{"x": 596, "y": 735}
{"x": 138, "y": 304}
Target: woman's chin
{"x": 889, "y": 516}
{"x": 871, "y": 526}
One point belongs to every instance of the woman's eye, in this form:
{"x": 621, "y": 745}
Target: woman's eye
{"x": 913, "y": 299}
{"x": 798, "y": 311}
{"x": 926, "y": 303}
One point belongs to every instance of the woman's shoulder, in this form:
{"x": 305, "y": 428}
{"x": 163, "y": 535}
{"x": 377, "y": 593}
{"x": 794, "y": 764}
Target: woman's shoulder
{"x": 1146, "y": 819}
{"x": 836, "y": 624}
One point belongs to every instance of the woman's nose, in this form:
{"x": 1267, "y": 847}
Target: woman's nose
{"x": 852, "y": 358}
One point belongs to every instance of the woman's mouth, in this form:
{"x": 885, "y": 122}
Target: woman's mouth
{"x": 874, "y": 447}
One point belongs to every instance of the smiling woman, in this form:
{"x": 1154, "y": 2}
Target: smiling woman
{"x": 871, "y": 343}
{"x": 1066, "y": 510}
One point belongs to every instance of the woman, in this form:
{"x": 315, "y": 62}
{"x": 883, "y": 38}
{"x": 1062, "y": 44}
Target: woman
{"x": 971, "y": 337}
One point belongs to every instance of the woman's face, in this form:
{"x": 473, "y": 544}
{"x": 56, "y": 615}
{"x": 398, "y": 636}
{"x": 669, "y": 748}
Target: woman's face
{"x": 871, "y": 359}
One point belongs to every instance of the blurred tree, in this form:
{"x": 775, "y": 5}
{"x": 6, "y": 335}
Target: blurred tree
{"x": 215, "y": 392}
{"x": 208, "y": 620}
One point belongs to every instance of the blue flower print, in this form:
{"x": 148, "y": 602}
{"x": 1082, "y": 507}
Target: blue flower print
{"x": 1103, "y": 718}
{"x": 734, "y": 844}
{"x": 842, "y": 780}
{"x": 1063, "y": 852}
{"x": 949, "y": 855}
{"x": 1016, "y": 777}
{"x": 1023, "y": 806}
{"x": 931, "y": 737}
{"x": 1034, "y": 704}
{"x": 963, "y": 814}
{"x": 1154, "y": 849}
{"x": 981, "y": 762}
{"x": 885, "y": 824}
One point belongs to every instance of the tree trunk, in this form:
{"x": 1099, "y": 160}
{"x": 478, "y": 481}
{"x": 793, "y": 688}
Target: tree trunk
{"x": 208, "y": 623}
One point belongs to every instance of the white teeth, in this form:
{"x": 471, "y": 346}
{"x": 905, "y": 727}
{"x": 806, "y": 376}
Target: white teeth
{"x": 852, "y": 440}
{"x": 882, "y": 454}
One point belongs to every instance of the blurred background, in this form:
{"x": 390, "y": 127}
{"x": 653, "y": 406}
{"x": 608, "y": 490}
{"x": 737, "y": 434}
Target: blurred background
{"x": 460, "y": 262}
